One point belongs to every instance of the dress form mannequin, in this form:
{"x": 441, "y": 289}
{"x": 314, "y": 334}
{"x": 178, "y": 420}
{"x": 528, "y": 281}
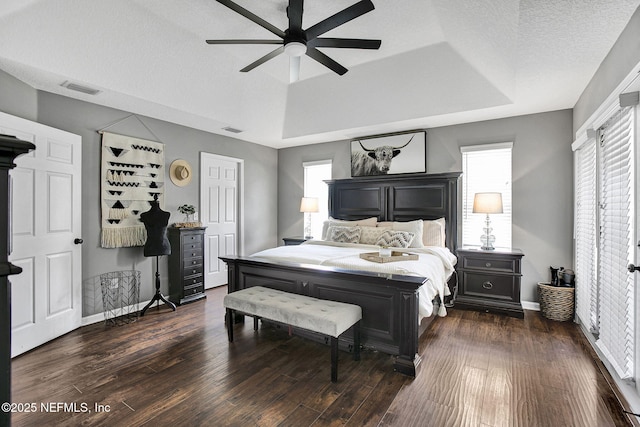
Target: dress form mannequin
{"x": 155, "y": 222}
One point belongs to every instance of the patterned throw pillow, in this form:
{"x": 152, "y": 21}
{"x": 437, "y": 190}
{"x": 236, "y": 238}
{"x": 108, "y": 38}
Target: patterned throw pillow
{"x": 395, "y": 239}
{"x": 370, "y": 235}
{"x": 344, "y": 234}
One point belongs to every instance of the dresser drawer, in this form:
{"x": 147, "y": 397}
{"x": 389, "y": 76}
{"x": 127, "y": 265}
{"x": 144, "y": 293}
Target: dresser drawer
{"x": 489, "y": 286}
{"x": 191, "y": 246}
{"x": 191, "y": 270}
{"x": 493, "y": 264}
{"x": 188, "y": 254}
{"x": 193, "y": 290}
{"x": 192, "y": 280}
{"x": 192, "y": 262}
{"x": 191, "y": 238}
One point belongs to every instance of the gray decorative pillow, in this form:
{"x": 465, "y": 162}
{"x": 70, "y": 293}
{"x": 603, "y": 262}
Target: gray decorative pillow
{"x": 344, "y": 234}
{"x": 395, "y": 239}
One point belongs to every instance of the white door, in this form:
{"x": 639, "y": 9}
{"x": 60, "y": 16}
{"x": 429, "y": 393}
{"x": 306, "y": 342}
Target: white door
{"x": 46, "y": 298}
{"x": 220, "y": 204}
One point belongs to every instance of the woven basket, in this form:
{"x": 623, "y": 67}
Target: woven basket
{"x": 556, "y": 303}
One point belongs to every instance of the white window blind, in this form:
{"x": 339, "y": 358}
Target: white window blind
{"x": 486, "y": 168}
{"x": 586, "y": 237}
{"x": 616, "y": 296}
{"x": 315, "y": 173}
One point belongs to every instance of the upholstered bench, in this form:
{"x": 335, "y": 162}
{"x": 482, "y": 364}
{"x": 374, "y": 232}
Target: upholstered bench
{"x": 326, "y": 317}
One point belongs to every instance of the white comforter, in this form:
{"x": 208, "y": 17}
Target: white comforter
{"x": 436, "y": 264}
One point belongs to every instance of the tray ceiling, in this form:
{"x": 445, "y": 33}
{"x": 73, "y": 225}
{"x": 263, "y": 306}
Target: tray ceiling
{"x": 441, "y": 62}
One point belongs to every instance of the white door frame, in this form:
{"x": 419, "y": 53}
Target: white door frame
{"x": 240, "y": 163}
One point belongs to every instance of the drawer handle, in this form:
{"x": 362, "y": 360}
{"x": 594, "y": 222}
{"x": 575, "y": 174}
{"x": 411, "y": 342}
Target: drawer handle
{"x": 487, "y": 285}
{"x": 488, "y": 264}
{"x": 193, "y": 254}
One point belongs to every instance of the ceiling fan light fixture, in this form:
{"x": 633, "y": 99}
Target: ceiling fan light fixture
{"x": 295, "y": 49}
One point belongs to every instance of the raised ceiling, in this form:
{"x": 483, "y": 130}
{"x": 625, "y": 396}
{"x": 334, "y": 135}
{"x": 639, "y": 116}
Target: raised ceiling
{"x": 441, "y": 62}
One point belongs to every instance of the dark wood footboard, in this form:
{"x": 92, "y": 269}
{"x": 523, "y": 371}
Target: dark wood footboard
{"x": 389, "y": 302}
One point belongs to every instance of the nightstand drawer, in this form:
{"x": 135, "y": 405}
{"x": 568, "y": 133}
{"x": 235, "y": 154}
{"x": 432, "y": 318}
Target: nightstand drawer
{"x": 488, "y": 286}
{"x": 487, "y": 263}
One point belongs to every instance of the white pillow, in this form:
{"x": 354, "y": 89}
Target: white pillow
{"x": 344, "y": 234}
{"x": 414, "y": 227}
{"x": 371, "y": 222}
{"x": 370, "y": 235}
{"x": 433, "y": 232}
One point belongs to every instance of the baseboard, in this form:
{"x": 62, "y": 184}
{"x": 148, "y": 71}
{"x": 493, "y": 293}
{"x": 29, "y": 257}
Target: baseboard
{"x": 99, "y": 317}
{"x": 530, "y": 305}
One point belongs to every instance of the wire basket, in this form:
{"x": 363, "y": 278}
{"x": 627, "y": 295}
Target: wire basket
{"x": 556, "y": 303}
{"x": 120, "y": 296}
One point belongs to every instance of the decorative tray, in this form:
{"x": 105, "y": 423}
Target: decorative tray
{"x": 395, "y": 256}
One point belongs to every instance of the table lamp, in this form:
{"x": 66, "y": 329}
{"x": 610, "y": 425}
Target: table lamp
{"x": 487, "y": 203}
{"x": 308, "y": 205}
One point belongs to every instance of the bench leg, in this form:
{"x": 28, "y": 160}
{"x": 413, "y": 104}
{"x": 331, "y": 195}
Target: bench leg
{"x": 255, "y": 323}
{"x": 356, "y": 341}
{"x": 229, "y": 319}
{"x": 334, "y": 359}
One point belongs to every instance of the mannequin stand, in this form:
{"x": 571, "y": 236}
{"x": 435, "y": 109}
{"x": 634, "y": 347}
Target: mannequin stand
{"x": 158, "y": 296}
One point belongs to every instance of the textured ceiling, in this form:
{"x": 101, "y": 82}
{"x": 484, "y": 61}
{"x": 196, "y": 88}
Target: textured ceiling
{"x": 441, "y": 62}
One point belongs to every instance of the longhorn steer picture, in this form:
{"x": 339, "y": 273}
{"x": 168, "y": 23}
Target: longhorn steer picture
{"x": 374, "y": 161}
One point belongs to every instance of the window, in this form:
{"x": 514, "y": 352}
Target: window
{"x": 315, "y": 173}
{"x": 604, "y": 235}
{"x": 486, "y": 168}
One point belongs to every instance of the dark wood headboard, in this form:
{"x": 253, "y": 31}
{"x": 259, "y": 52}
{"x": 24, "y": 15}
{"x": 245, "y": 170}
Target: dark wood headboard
{"x": 399, "y": 198}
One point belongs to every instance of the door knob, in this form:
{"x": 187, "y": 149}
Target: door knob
{"x": 77, "y": 241}
{"x": 633, "y": 268}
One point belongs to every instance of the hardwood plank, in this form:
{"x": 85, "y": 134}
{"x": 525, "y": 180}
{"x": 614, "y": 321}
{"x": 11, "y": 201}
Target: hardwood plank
{"x": 177, "y": 368}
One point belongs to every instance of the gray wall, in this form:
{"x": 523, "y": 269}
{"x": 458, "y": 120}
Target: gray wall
{"x": 542, "y": 182}
{"x": 620, "y": 61}
{"x": 85, "y": 119}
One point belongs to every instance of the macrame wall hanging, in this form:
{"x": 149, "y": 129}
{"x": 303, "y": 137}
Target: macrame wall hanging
{"x": 132, "y": 175}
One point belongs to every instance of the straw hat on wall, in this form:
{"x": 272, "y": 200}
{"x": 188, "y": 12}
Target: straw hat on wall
{"x": 180, "y": 172}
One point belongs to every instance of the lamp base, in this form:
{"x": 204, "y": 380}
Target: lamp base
{"x": 487, "y": 248}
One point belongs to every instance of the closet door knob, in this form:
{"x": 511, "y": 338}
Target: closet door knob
{"x": 633, "y": 268}
{"x": 78, "y": 241}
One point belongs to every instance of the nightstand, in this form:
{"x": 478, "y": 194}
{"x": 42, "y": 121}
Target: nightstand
{"x": 292, "y": 241}
{"x": 489, "y": 280}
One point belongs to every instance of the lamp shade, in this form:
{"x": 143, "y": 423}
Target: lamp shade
{"x": 487, "y": 203}
{"x": 309, "y": 204}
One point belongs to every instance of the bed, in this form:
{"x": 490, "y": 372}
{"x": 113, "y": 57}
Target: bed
{"x": 392, "y": 301}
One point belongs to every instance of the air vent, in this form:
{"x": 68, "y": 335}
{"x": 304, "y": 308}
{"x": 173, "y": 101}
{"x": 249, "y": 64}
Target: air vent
{"x": 232, "y": 130}
{"x": 79, "y": 88}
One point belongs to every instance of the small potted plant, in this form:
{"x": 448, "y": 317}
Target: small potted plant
{"x": 187, "y": 211}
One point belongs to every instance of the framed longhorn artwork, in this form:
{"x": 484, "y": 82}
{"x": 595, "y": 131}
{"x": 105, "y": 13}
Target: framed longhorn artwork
{"x": 389, "y": 154}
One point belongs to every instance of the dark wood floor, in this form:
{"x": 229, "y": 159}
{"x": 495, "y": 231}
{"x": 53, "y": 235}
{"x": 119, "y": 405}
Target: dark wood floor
{"x": 177, "y": 368}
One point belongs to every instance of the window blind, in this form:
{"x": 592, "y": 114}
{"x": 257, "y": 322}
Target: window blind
{"x": 615, "y": 292}
{"x": 486, "y": 168}
{"x": 586, "y": 235}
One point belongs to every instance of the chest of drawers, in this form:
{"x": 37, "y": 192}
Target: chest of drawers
{"x": 490, "y": 280}
{"x": 186, "y": 264}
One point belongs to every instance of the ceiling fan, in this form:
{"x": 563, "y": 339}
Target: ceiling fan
{"x": 297, "y": 41}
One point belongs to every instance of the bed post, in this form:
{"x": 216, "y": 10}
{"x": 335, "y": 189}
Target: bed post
{"x": 408, "y": 361}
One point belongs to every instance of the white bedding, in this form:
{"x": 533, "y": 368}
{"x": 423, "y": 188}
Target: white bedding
{"x": 434, "y": 263}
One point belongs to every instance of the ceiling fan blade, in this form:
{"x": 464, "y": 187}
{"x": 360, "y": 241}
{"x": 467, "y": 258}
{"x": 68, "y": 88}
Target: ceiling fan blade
{"x": 245, "y": 41}
{"x": 252, "y": 17}
{"x": 264, "y": 59}
{"x": 314, "y": 53}
{"x": 345, "y": 43}
{"x": 294, "y": 12}
{"x": 339, "y": 18}
{"x": 294, "y": 69}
